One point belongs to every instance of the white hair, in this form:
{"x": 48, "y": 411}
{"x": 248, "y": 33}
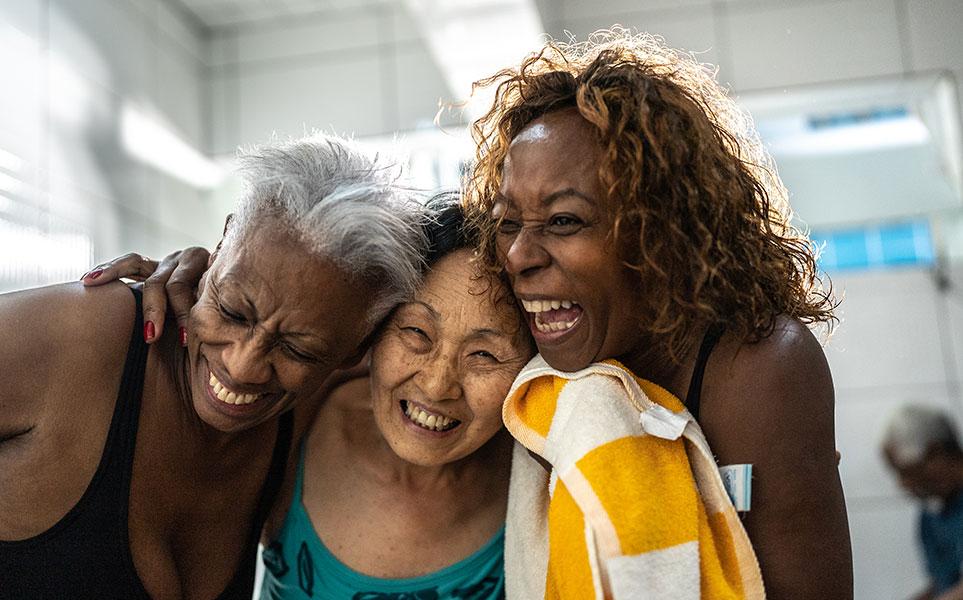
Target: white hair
{"x": 914, "y": 430}
{"x": 343, "y": 204}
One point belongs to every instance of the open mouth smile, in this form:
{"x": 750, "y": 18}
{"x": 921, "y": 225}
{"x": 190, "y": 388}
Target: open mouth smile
{"x": 552, "y": 316}
{"x": 219, "y": 391}
{"x": 427, "y": 420}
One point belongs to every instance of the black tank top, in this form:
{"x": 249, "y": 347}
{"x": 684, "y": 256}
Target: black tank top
{"x": 693, "y": 397}
{"x": 87, "y": 553}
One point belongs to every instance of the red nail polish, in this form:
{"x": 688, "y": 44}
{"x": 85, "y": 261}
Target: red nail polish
{"x": 148, "y": 331}
{"x": 94, "y": 274}
{"x": 183, "y": 332}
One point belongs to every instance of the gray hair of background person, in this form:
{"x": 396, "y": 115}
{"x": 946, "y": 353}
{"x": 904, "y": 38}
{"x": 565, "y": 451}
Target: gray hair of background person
{"x": 914, "y": 431}
{"x": 342, "y": 203}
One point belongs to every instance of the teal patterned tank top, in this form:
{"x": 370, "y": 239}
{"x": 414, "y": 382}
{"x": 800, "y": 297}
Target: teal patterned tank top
{"x": 300, "y": 567}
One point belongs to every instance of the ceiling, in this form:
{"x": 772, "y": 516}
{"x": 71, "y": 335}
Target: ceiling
{"x": 226, "y": 13}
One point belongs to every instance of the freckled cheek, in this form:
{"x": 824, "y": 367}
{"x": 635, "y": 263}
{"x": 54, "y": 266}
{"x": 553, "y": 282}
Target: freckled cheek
{"x": 485, "y": 399}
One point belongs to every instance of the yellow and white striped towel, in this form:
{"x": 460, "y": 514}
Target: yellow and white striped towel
{"x": 634, "y": 506}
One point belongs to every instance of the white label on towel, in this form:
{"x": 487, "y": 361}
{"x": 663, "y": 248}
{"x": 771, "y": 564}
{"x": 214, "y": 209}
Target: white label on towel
{"x": 738, "y": 482}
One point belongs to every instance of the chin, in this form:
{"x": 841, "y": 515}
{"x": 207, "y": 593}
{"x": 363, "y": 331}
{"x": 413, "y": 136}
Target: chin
{"x": 563, "y": 362}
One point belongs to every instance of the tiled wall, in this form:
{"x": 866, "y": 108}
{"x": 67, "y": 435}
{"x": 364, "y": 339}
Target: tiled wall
{"x": 76, "y": 196}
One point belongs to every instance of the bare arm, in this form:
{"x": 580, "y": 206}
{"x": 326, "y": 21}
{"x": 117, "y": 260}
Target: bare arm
{"x": 771, "y": 404}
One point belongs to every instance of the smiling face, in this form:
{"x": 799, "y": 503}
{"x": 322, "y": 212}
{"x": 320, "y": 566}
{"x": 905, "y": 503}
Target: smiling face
{"x": 271, "y": 322}
{"x": 554, "y": 243}
{"x": 444, "y": 363}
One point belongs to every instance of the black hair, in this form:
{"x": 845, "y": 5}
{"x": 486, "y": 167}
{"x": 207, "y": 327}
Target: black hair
{"x": 446, "y": 229}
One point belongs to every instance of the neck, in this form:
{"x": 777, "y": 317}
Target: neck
{"x": 649, "y": 361}
{"x": 492, "y": 460}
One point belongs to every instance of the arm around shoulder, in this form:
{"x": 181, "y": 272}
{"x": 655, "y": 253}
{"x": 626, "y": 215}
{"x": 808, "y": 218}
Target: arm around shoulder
{"x": 771, "y": 404}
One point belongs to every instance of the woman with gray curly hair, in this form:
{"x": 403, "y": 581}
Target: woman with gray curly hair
{"x": 132, "y": 470}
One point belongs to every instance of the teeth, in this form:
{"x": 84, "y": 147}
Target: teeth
{"x": 550, "y": 327}
{"x": 538, "y": 306}
{"x": 426, "y": 419}
{"x": 227, "y": 396}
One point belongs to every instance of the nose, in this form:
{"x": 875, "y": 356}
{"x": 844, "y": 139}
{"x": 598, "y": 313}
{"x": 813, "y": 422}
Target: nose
{"x": 247, "y": 362}
{"x": 526, "y": 253}
{"x": 438, "y": 379}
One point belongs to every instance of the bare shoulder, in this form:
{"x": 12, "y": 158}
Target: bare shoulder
{"x": 770, "y": 403}
{"x": 52, "y": 333}
{"x": 778, "y": 386}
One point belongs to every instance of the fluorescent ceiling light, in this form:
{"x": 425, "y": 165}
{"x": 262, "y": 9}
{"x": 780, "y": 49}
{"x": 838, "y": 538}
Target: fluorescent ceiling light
{"x": 472, "y": 39}
{"x": 795, "y": 137}
{"x": 153, "y": 143}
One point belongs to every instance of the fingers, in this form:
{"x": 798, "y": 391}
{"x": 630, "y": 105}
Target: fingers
{"x": 132, "y": 266}
{"x": 155, "y": 298}
{"x": 182, "y": 286}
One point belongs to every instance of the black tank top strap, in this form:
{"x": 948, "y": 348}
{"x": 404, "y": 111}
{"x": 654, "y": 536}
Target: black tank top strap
{"x": 123, "y": 429}
{"x": 693, "y": 397}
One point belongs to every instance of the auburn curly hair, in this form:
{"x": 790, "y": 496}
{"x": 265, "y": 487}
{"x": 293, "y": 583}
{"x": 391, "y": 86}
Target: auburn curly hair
{"x": 699, "y": 212}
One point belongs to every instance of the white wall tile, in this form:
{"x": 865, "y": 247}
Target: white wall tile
{"x": 105, "y": 41}
{"x": 175, "y": 24}
{"x": 224, "y": 97}
{"x": 785, "y": 45}
{"x": 344, "y": 96}
{"x": 339, "y": 34}
{"x": 889, "y": 335}
{"x": 580, "y": 9}
{"x": 420, "y": 88}
{"x": 403, "y": 27}
{"x": 886, "y": 563}
{"x": 951, "y": 300}
{"x": 222, "y": 48}
{"x": 22, "y": 110}
{"x": 690, "y": 30}
{"x": 934, "y": 34}
{"x": 180, "y": 92}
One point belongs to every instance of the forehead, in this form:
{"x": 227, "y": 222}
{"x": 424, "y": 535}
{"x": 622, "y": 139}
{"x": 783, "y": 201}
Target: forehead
{"x": 285, "y": 281}
{"x": 555, "y": 151}
{"x": 460, "y": 293}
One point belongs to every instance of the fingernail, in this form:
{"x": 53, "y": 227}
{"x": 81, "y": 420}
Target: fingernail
{"x": 183, "y": 332}
{"x": 148, "y": 331}
{"x": 93, "y": 274}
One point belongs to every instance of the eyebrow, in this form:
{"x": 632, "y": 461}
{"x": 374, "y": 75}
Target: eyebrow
{"x": 428, "y": 307}
{"x": 547, "y": 200}
{"x": 479, "y": 333}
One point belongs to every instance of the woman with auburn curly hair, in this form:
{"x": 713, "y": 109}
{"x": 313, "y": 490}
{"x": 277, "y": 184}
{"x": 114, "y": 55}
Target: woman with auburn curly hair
{"x": 638, "y": 217}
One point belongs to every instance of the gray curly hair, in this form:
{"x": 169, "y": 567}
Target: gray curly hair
{"x": 342, "y": 203}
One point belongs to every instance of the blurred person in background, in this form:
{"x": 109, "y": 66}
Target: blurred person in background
{"x": 922, "y": 447}
{"x": 130, "y": 470}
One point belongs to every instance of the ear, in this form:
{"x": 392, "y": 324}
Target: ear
{"x": 217, "y": 249}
